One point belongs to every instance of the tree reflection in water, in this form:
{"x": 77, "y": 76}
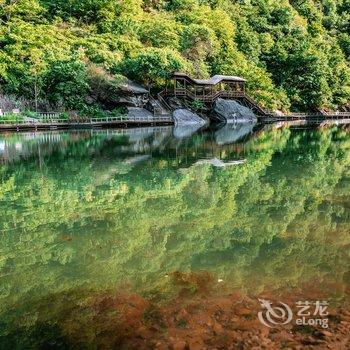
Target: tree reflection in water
{"x": 88, "y": 212}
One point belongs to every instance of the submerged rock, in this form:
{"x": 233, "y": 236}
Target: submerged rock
{"x": 185, "y": 116}
{"x": 231, "y": 111}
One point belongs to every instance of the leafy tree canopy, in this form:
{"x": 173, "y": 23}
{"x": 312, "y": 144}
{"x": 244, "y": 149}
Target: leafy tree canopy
{"x": 292, "y": 52}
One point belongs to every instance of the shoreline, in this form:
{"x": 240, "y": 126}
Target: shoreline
{"x": 92, "y": 124}
{"x": 113, "y": 123}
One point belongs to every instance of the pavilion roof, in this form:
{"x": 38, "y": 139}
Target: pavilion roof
{"x": 216, "y": 79}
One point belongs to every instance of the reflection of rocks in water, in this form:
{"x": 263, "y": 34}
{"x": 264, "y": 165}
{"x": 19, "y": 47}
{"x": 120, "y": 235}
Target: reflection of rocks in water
{"x": 141, "y": 139}
{"x": 231, "y": 133}
{"x": 182, "y": 131}
{"x": 219, "y": 163}
{"x": 139, "y": 134}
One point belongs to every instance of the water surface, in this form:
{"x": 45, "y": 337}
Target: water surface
{"x": 84, "y": 212}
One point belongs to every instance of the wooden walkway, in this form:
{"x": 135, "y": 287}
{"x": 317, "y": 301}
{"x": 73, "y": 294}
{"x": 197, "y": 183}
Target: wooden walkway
{"x": 311, "y": 118}
{"x": 210, "y": 98}
{"x": 90, "y": 123}
{"x": 125, "y": 121}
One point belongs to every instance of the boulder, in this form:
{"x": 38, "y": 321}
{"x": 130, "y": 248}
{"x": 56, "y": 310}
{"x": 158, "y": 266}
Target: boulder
{"x": 131, "y": 101}
{"x": 231, "y": 111}
{"x": 130, "y": 87}
{"x": 131, "y": 94}
{"x": 185, "y": 116}
{"x": 139, "y": 113}
{"x": 112, "y": 91}
{"x": 175, "y": 103}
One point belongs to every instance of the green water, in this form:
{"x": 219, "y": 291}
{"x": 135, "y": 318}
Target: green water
{"x": 103, "y": 210}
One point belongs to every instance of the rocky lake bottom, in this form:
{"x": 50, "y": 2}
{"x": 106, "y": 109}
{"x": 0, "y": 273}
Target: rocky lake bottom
{"x": 175, "y": 238}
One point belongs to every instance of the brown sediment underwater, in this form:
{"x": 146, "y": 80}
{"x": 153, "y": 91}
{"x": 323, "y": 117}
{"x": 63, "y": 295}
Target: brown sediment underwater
{"x": 192, "y": 312}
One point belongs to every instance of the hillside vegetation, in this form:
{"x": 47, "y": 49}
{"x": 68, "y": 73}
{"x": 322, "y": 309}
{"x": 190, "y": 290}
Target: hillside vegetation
{"x": 294, "y": 53}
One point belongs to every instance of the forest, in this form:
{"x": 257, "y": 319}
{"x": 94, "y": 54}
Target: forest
{"x": 58, "y": 53}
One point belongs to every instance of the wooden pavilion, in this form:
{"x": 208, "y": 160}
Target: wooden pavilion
{"x": 208, "y": 90}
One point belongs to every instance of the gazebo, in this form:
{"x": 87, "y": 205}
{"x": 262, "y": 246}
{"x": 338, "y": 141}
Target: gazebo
{"x": 208, "y": 90}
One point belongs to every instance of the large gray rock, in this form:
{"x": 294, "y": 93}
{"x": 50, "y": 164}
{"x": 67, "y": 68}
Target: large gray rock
{"x": 114, "y": 90}
{"x": 175, "y": 103}
{"x": 132, "y": 101}
{"x": 133, "y": 88}
{"x": 185, "y": 116}
{"x": 139, "y": 113}
{"x": 231, "y": 111}
{"x": 131, "y": 94}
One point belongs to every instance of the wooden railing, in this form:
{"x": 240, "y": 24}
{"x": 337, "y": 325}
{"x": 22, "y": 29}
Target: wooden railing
{"x": 45, "y": 115}
{"x": 30, "y": 122}
{"x": 208, "y": 97}
{"x": 164, "y": 102}
{"x": 157, "y": 108}
{"x": 131, "y": 119}
{"x": 308, "y": 117}
{"x": 320, "y": 115}
{"x": 124, "y": 118}
{"x": 212, "y": 97}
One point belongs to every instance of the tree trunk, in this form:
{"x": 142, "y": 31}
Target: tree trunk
{"x": 36, "y": 95}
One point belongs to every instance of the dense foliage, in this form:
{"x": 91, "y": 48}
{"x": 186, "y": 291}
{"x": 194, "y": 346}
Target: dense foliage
{"x": 292, "y": 52}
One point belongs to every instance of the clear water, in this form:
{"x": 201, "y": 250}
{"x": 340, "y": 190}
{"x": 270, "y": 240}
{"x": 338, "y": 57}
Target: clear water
{"x": 89, "y": 211}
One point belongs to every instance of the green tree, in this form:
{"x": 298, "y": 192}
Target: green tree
{"x": 66, "y": 83}
{"x": 152, "y": 66}
{"x": 291, "y": 52}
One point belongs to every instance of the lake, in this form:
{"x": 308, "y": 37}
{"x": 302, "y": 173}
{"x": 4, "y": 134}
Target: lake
{"x": 105, "y": 232}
